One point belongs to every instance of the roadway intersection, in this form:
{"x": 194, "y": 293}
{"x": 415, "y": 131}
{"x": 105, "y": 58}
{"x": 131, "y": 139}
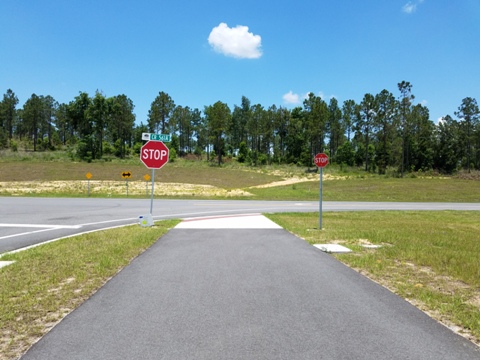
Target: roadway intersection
{"x": 28, "y": 221}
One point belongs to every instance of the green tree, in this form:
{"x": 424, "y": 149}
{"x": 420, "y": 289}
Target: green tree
{"x": 242, "y": 152}
{"x": 348, "y": 114}
{"x": 335, "y": 127}
{"x": 160, "y": 112}
{"x": 48, "y": 119}
{"x": 138, "y": 131}
{"x": 32, "y": 117}
{"x": 280, "y": 132}
{"x": 62, "y": 123}
{"x": 121, "y": 123}
{"x": 385, "y": 125}
{"x": 365, "y": 124}
{"x": 241, "y": 116}
{"x": 447, "y": 145}
{"x": 97, "y": 114}
{"x": 200, "y": 132}
{"x": 422, "y": 140}
{"x": 81, "y": 124}
{"x": 296, "y": 151}
{"x": 468, "y": 113}
{"x": 8, "y": 112}
{"x": 218, "y": 118}
{"x": 254, "y": 128}
{"x": 405, "y": 110}
{"x": 316, "y": 117}
{"x": 346, "y": 154}
{"x": 183, "y": 125}
{"x": 267, "y": 128}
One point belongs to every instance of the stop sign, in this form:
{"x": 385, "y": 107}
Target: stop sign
{"x": 321, "y": 160}
{"x": 154, "y": 154}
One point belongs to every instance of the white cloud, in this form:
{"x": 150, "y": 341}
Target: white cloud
{"x": 296, "y": 99}
{"x": 411, "y": 6}
{"x": 291, "y": 98}
{"x": 236, "y": 42}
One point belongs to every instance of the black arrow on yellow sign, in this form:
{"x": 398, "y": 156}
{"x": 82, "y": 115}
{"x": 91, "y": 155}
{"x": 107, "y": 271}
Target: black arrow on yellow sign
{"x": 126, "y": 174}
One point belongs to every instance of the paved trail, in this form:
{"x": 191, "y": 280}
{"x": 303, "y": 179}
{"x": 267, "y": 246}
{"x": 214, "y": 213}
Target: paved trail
{"x": 253, "y": 291}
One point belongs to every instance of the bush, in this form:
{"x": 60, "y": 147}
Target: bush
{"x": 242, "y": 152}
{"x": 136, "y": 148}
{"x": 84, "y": 149}
{"x": 262, "y": 159}
{"x": 172, "y": 155}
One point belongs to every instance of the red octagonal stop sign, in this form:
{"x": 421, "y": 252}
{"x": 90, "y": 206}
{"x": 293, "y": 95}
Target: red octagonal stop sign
{"x": 321, "y": 160}
{"x": 154, "y": 154}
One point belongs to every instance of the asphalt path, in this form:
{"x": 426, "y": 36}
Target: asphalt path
{"x": 207, "y": 293}
{"x": 27, "y": 221}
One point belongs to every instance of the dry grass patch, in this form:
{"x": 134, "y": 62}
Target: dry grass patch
{"x": 114, "y": 188}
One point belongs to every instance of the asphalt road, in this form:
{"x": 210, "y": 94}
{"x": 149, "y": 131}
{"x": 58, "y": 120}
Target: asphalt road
{"x": 245, "y": 294}
{"x": 26, "y": 221}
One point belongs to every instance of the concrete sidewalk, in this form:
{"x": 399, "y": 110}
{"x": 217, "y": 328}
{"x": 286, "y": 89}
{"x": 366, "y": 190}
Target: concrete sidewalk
{"x": 240, "y": 287}
{"x": 242, "y": 221}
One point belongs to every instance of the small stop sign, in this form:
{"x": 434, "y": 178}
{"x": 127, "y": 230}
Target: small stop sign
{"x": 321, "y": 160}
{"x": 154, "y": 154}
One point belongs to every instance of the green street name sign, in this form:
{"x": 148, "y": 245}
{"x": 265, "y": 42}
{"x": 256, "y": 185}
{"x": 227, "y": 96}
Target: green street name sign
{"x": 157, "y": 137}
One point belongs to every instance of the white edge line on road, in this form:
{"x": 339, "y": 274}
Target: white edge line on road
{"x": 42, "y": 226}
{"x": 49, "y": 228}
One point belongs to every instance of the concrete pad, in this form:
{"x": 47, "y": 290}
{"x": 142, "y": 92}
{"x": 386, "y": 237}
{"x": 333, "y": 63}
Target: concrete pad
{"x": 242, "y": 221}
{"x": 5, "y": 263}
{"x": 332, "y": 248}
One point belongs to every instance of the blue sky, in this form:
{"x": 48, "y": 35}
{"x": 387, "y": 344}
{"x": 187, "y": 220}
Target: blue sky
{"x": 272, "y": 52}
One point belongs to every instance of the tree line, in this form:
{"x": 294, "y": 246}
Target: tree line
{"x": 381, "y": 132}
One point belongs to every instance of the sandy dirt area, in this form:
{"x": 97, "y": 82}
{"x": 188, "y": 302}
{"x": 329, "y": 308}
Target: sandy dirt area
{"x": 114, "y": 188}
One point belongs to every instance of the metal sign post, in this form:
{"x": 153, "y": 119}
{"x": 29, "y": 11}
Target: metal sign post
{"x": 89, "y": 176}
{"x": 321, "y": 199}
{"x": 146, "y": 177}
{"x": 321, "y": 160}
{"x": 154, "y": 154}
{"x": 153, "y": 190}
{"x": 126, "y": 175}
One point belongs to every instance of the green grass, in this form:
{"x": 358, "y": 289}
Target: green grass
{"x": 47, "y": 282}
{"x": 337, "y": 185}
{"x": 378, "y": 189}
{"x": 176, "y": 172}
{"x": 430, "y": 258}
